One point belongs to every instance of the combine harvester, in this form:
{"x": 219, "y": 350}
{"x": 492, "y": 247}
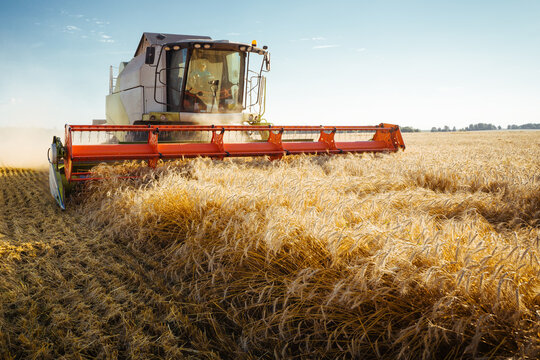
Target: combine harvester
{"x": 187, "y": 96}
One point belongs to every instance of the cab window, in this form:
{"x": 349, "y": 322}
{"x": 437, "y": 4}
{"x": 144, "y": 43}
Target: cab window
{"x": 214, "y": 81}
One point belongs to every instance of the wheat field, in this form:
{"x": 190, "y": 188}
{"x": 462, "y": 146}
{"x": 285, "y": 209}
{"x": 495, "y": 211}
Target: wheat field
{"x": 431, "y": 253}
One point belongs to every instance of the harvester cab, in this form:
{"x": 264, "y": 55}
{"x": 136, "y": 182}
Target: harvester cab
{"x": 189, "y": 80}
{"x": 185, "y": 96}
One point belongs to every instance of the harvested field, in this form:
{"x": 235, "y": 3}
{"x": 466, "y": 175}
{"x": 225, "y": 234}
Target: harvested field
{"x": 430, "y": 253}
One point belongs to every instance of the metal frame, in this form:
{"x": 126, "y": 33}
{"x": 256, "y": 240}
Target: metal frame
{"x": 386, "y": 138}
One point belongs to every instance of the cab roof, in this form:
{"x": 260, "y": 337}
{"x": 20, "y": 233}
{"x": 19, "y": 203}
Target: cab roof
{"x": 151, "y": 39}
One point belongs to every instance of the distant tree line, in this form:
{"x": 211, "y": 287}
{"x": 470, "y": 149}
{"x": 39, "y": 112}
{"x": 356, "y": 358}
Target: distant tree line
{"x": 446, "y": 128}
{"x": 524, "y": 126}
{"x": 409, "y": 129}
{"x": 474, "y": 127}
{"x": 482, "y": 126}
{"x": 471, "y": 127}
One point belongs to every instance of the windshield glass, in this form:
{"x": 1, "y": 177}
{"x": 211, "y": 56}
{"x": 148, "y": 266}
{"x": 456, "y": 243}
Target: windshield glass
{"x": 175, "y": 64}
{"x": 214, "y": 81}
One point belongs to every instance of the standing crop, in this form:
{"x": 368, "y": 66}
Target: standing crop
{"x": 430, "y": 253}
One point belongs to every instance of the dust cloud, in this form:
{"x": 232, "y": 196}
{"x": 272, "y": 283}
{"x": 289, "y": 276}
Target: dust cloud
{"x": 25, "y": 147}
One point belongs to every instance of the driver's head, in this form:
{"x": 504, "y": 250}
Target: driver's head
{"x": 202, "y": 66}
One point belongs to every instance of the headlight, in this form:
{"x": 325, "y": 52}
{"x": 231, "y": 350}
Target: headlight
{"x": 242, "y": 48}
{"x": 176, "y": 47}
{"x": 206, "y": 46}
{"x": 197, "y": 46}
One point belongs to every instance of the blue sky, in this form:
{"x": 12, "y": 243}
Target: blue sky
{"x": 416, "y": 63}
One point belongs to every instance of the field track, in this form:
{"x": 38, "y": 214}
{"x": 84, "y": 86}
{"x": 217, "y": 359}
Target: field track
{"x": 432, "y": 252}
{"x": 65, "y": 290}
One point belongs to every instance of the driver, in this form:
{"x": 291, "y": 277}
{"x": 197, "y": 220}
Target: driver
{"x": 198, "y": 91}
{"x": 201, "y": 76}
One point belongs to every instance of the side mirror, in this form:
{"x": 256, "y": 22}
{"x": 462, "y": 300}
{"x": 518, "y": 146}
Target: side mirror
{"x": 150, "y": 55}
{"x": 267, "y": 61}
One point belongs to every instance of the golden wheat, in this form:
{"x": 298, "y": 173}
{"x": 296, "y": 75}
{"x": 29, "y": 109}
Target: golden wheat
{"x": 429, "y": 253}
